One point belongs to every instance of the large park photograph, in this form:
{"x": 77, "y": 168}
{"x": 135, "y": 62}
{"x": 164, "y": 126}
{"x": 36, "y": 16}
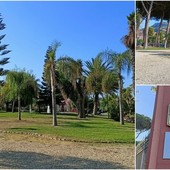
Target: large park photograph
{"x": 67, "y": 85}
{"x": 152, "y": 42}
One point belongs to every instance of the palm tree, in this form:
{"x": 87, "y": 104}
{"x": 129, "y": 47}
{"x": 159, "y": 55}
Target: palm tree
{"x": 18, "y": 83}
{"x": 129, "y": 42}
{"x": 49, "y": 72}
{"x": 96, "y": 71}
{"x": 120, "y": 62}
{"x": 70, "y": 72}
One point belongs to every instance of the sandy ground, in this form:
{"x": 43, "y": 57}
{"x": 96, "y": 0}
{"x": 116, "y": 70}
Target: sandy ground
{"x": 22, "y": 151}
{"x": 152, "y": 67}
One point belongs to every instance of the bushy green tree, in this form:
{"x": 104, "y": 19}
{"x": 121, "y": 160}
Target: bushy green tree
{"x": 151, "y": 35}
{"x": 22, "y": 86}
{"x": 143, "y": 123}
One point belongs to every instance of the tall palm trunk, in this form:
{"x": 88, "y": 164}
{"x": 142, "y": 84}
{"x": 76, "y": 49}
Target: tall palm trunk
{"x": 19, "y": 107}
{"x": 96, "y": 98}
{"x": 120, "y": 100}
{"x": 167, "y": 32}
{"x": 81, "y": 113}
{"x": 52, "y": 74}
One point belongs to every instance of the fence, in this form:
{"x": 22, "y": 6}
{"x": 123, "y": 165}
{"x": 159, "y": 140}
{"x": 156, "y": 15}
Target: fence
{"x": 141, "y": 150}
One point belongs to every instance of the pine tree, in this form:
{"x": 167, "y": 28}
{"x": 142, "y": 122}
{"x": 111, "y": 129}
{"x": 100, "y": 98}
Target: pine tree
{"x": 3, "y": 50}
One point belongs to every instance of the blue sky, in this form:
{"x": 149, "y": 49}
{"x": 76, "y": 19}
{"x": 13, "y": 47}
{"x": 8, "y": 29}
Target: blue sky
{"x": 83, "y": 28}
{"x": 145, "y": 100}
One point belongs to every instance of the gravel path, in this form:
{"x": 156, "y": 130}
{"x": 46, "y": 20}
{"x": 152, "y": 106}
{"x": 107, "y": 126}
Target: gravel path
{"x": 153, "y": 67}
{"x": 27, "y": 152}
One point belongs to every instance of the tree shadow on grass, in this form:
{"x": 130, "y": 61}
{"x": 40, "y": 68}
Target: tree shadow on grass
{"x": 164, "y": 55}
{"x": 152, "y": 51}
{"x": 32, "y": 160}
{"x": 22, "y": 128}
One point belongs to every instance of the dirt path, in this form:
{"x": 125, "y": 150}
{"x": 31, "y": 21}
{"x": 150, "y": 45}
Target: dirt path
{"x": 153, "y": 67}
{"x": 28, "y": 152}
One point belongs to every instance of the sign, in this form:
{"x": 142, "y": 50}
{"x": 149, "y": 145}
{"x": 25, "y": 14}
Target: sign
{"x": 166, "y": 152}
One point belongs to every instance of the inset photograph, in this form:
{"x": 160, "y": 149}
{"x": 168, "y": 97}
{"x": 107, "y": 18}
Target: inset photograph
{"x": 152, "y": 42}
{"x": 153, "y": 127}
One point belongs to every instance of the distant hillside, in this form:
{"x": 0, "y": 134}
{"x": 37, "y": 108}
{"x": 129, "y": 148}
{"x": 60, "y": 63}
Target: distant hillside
{"x": 156, "y": 26}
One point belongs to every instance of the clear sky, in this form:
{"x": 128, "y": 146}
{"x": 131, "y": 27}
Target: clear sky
{"x": 145, "y": 100}
{"x": 83, "y": 28}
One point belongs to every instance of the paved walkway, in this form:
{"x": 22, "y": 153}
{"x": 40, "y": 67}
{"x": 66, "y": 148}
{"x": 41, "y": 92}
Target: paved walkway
{"x": 153, "y": 67}
{"x": 19, "y": 151}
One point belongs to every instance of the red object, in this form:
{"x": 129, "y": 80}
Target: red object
{"x": 154, "y": 159}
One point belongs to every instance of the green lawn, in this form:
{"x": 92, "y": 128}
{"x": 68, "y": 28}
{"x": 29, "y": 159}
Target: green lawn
{"x": 90, "y": 129}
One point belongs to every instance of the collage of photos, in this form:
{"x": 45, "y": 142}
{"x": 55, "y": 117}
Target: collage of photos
{"x": 85, "y": 84}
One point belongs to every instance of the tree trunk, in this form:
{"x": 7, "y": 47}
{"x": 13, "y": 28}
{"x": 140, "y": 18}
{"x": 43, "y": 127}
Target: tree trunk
{"x": 147, "y": 24}
{"x": 120, "y": 101}
{"x": 107, "y": 97}
{"x": 19, "y": 107}
{"x": 133, "y": 70}
{"x": 167, "y": 32}
{"x": 146, "y": 32}
{"x": 6, "y": 106}
{"x": 39, "y": 110}
{"x": 13, "y": 106}
{"x": 157, "y": 41}
{"x": 30, "y": 108}
{"x": 96, "y": 97}
{"x": 63, "y": 93}
{"x": 53, "y": 96}
{"x": 81, "y": 113}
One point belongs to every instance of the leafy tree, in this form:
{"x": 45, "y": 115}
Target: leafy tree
{"x": 112, "y": 105}
{"x": 50, "y": 76}
{"x": 3, "y": 50}
{"x": 151, "y": 35}
{"x": 159, "y": 13}
{"x": 5, "y": 95}
{"x": 129, "y": 104}
{"x": 153, "y": 89}
{"x": 143, "y": 123}
{"x": 167, "y": 34}
{"x": 21, "y": 85}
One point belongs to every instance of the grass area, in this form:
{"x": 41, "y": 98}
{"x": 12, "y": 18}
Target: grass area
{"x": 152, "y": 48}
{"x": 91, "y": 129}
